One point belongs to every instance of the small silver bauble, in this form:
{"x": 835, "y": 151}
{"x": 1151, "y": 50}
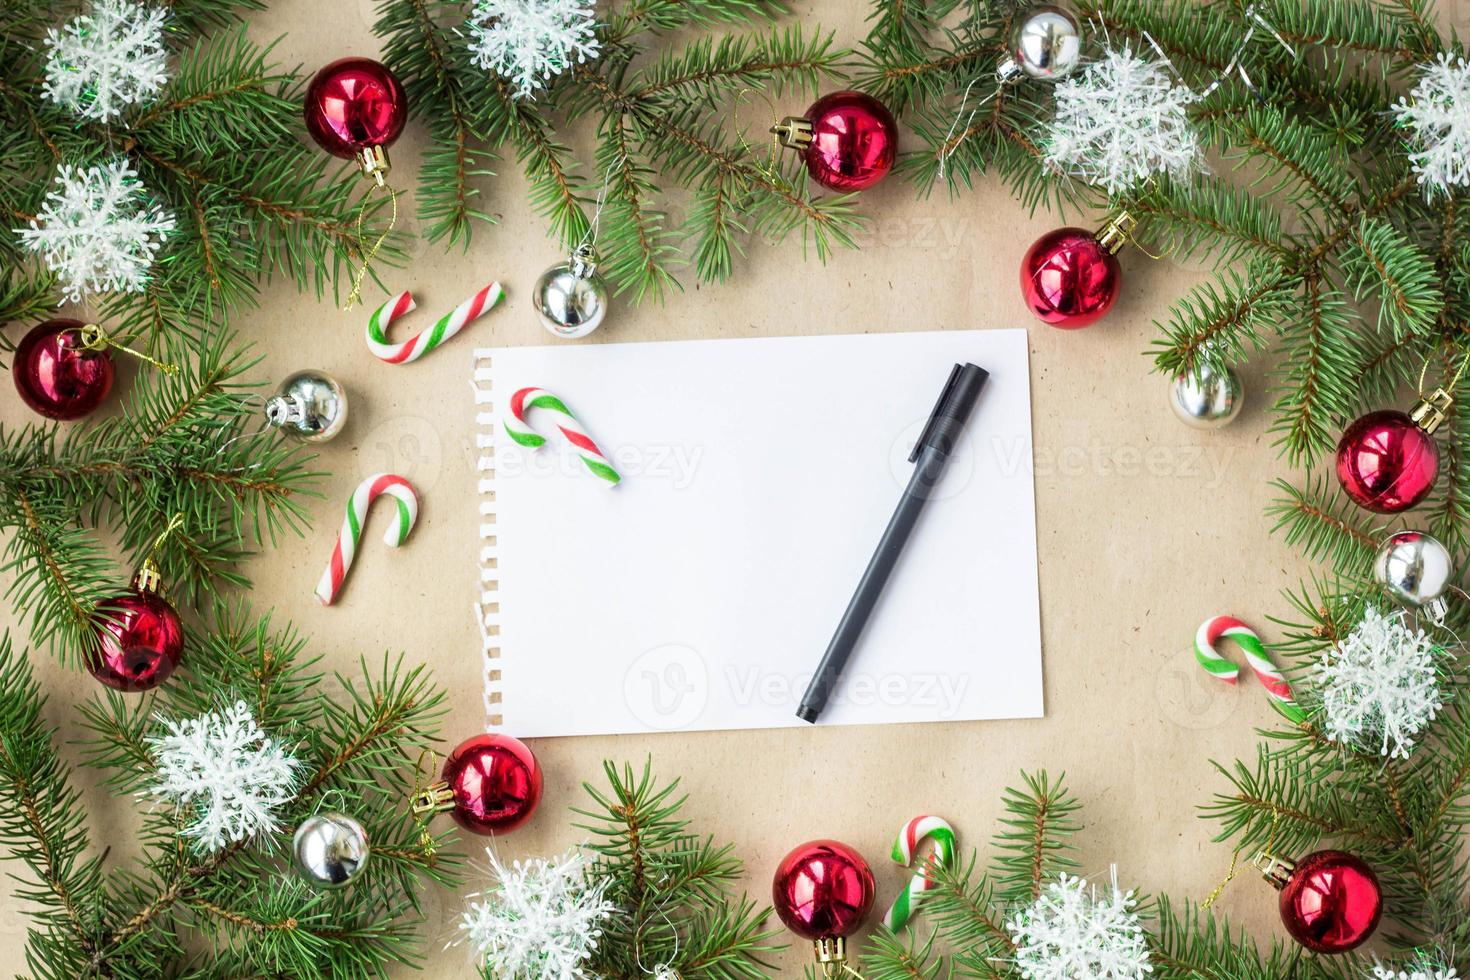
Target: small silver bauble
{"x": 330, "y": 849}
{"x": 1046, "y": 44}
{"x": 1415, "y": 569}
{"x": 571, "y": 298}
{"x": 1210, "y": 398}
{"x": 310, "y": 406}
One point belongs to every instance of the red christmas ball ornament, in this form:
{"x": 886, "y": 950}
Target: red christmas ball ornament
{"x": 1387, "y": 462}
{"x": 140, "y": 638}
{"x": 355, "y": 109}
{"x": 823, "y": 890}
{"x": 1330, "y": 901}
{"x": 58, "y": 373}
{"x": 494, "y": 783}
{"x": 1070, "y": 277}
{"x": 848, "y": 140}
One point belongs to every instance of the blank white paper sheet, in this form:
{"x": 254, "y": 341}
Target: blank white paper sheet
{"x": 758, "y": 476}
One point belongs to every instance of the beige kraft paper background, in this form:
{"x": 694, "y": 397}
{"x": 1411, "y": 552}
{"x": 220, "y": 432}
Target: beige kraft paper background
{"x": 1145, "y": 529}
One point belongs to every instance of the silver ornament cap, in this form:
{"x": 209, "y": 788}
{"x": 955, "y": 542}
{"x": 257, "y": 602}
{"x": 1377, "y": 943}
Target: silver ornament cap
{"x": 1210, "y": 398}
{"x": 330, "y": 849}
{"x": 1415, "y": 568}
{"x": 1046, "y": 43}
{"x": 310, "y": 406}
{"x": 571, "y": 298}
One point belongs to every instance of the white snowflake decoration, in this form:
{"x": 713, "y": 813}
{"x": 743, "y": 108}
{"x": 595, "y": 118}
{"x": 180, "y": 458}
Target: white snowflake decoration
{"x": 97, "y": 230}
{"x": 1070, "y": 933}
{"x": 230, "y": 773}
{"x": 101, "y": 63}
{"x": 1437, "y": 117}
{"x": 540, "y": 921}
{"x": 1427, "y": 970}
{"x": 528, "y": 42}
{"x": 1123, "y": 121}
{"x": 1380, "y": 686}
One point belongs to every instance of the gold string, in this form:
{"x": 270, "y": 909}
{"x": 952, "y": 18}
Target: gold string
{"x": 372, "y": 253}
{"x": 773, "y": 145}
{"x": 174, "y": 523}
{"x": 1235, "y": 863}
{"x": 94, "y": 338}
{"x": 1454, "y": 381}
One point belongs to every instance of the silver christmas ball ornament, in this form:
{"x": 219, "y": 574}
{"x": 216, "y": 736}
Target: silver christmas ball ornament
{"x": 330, "y": 849}
{"x": 1046, "y": 44}
{"x": 1415, "y": 568}
{"x": 310, "y": 406}
{"x": 571, "y": 298}
{"x": 1209, "y": 398}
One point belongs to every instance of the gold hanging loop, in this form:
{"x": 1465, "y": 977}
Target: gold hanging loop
{"x": 95, "y": 339}
{"x": 372, "y": 252}
{"x": 1434, "y": 406}
{"x": 149, "y": 578}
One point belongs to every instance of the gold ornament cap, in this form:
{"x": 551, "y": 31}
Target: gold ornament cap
{"x": 1432, "y": 409}
{"x": 794, "y": 132}
{"x": 1276, "y": 870}
{"x": 148, "y": 579}
{"x": 1117, "y": 232}
{"x": 434, "y": 798}
{"x": 373, "y": 162}
{"x": 831, "y": 956}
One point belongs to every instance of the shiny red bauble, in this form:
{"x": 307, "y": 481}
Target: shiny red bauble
{"x": 57, "y": 375}
{"x": 854, "y": 141}
{"x": 1069, "y": 278}
{"x": 355, "y": 104}
{"x": 495, "y": 781}
{"x": 1331, "y": 902}
{"x": 140, "y": 641}
{"x": 823, "y": 890}
{"x": 1386, "y": 462}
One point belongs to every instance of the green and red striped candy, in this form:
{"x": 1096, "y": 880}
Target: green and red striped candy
{"x": 420, "y": 344}
{"x": 910, "y": 836}
{"x": 1217, "y": 628}
{"x": 520, "y": 431}
{"x": 362, "y": 498}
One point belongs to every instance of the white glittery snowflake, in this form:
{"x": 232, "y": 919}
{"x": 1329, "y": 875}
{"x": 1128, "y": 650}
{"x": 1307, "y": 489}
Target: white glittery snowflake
{"x": 1070, "y": 933}
{"x": 1437, "y": 117}
{"x": 226, "y": 770}
{"x": 1121, "y": 122}
{"x": 98, "y": 230}
{"x": 1424, "y": 969}
{"x": 541, "y": 920}
{"x": 104, "y": 61}
{"x": 1380, "y": 686}
{"x": 528, "y": 42}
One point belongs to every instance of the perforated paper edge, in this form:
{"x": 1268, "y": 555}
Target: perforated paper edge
{"x": 487, "y": 606}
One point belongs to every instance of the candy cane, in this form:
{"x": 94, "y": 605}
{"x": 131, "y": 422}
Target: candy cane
{"x": 420, "y": 344}
{"x": 518, "y": 429}
{"x": 367, "y": 491}
{"x": 1213, "y": 630}
{"x": 910, "y": 835}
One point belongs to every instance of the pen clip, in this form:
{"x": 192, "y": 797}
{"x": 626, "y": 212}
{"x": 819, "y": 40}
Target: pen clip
{"x": 923, "y": 439}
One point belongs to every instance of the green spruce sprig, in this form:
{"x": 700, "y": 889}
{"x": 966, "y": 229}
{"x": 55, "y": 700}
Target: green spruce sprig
{"x": 239, "y": 910}
{"x": 190, "y": 444}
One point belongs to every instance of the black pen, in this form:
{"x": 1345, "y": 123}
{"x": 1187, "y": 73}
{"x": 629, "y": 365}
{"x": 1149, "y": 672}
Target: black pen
{"x": 935, "y": 445}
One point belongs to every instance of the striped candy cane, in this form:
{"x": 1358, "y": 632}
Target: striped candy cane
{"x": 920, "y": 828}
{"x": 517, "y": 428}
{"x": 1211, "y": 631}
{"x": 420, "y": 344}
{"x": 367, "y": 491}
